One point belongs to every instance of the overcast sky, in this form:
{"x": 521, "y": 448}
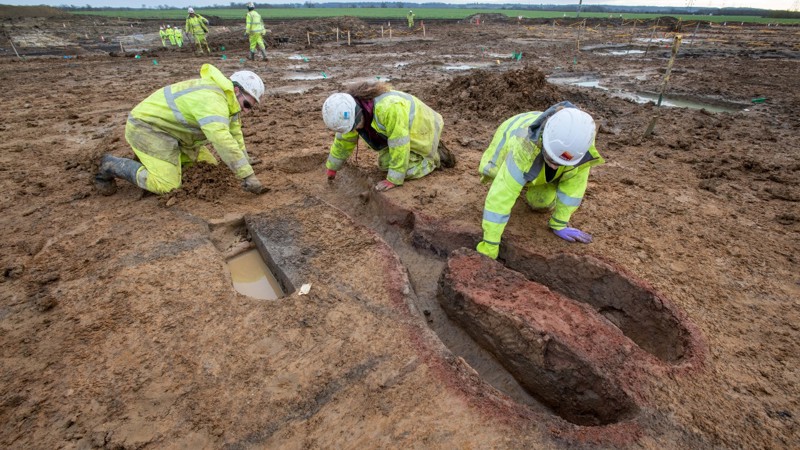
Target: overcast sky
{"x": 765, "y": 4}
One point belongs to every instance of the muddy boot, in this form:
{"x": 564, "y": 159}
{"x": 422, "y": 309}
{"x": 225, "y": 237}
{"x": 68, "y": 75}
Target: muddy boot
{"x": 446, "y": 157}
{"x": 252, "y": 56}
{"x": 104, "y": 181}
{"x": 263, "y": 55}
{"x": 112, "y": 167}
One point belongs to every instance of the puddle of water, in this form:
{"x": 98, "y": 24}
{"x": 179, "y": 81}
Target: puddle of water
{"x": 300, "y": 57}
{"x": 251, "y": 276}
{"x": 621, "y": 52}
{"x": 655, "y": 41}
{"x": 373, "y": 78}
{"x": 458, "y": 67}
{"x": 305, "y": 76}
{"x": 582, "y": 81}
{"x": 299, "y": 89}
{"x": 645, "y": 97}
{"x": 591, "y": 84}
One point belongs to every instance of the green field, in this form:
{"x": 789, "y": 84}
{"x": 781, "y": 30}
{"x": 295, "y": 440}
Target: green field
{"x": 400, "y": 14}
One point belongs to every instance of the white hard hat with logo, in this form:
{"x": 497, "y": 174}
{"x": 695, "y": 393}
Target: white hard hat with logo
{"x": 567, "y": 136}
{"x": 191, "y": 10}
{"x": 339, "y": 112}
{"x": 250, "y": 83}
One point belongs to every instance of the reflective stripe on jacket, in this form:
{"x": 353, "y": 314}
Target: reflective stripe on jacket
{"x": 519, "y": 138}
{"x": 410, "y": 126}
{"x": 254, "y": 23}
{"x": 195, "y": 112}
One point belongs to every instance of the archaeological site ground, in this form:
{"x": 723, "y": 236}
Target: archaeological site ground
{"x": 677, "y": 328}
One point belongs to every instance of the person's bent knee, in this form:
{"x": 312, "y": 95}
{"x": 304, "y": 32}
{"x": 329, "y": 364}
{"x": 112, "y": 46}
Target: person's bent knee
{"x": 160, "y": 185}
{"x": 542, "y": 199}
{"x": 160, "y": 188}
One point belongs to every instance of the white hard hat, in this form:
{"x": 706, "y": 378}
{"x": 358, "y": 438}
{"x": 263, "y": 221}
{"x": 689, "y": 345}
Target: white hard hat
{"x": 339, "y": 112}
{"x": 169, "y": 26}
{"x": 191, "y": 10}
{"x": 567, "y": 136}
{"x": 250, "y": 82}
{"x": 251, "y": 5}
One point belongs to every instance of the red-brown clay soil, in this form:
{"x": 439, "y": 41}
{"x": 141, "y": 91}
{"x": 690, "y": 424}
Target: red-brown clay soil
{"x": 120, "y": 327}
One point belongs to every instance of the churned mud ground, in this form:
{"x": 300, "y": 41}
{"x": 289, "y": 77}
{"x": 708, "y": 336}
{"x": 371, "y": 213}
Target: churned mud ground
{"x": 120, "y": 327}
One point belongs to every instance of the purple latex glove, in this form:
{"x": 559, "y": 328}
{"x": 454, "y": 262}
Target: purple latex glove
{"x": 573, "y": 235}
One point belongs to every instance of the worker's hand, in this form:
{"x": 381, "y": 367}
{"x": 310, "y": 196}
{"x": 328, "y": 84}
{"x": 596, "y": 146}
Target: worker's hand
{"x": 487, "y": 249}
{"x": 252, "y": 184}
{"x": 384, "y": 185}
{"x": 573, "y": 235}
{"x": 331, "y": 175}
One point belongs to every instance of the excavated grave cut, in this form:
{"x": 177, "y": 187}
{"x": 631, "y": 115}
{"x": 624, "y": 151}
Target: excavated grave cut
{"x": 583, "y": 383}
{"x": 646, "y": 317}
{"x": 561, "y": 351}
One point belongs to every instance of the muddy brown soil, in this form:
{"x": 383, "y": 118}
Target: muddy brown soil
{"x": 120, "y": 327}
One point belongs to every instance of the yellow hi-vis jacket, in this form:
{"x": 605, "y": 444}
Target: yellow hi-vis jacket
{"x": 196, "y": 24}
{"x": 192, "y": 112}
{"x": 254, "y": 23}
{"x": 409, "y": 125}
{"x": 514, "y": 159}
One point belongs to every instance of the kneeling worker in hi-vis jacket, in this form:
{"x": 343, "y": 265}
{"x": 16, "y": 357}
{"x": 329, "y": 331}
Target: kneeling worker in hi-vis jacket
{"x": 169, "y": 129}
{"x": 404, "y": 131}
{"x": 548, "y": 152}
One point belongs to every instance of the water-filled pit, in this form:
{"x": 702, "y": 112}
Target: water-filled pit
{"x": 252, "y": 277}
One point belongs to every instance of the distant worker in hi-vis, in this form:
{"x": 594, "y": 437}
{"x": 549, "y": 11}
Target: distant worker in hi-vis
{"x": 404, "y": 131}
{"x": 169, "y": 130}
{"x": 410, "y": 17}
{"x": 162, "y": 33}
{"x": 254, "y": 29}
{"x": 178, "y": 36}
{"x": 549, "y": 153}
{"x": 197, "y": 26}
{"x": 171, "y": 35}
